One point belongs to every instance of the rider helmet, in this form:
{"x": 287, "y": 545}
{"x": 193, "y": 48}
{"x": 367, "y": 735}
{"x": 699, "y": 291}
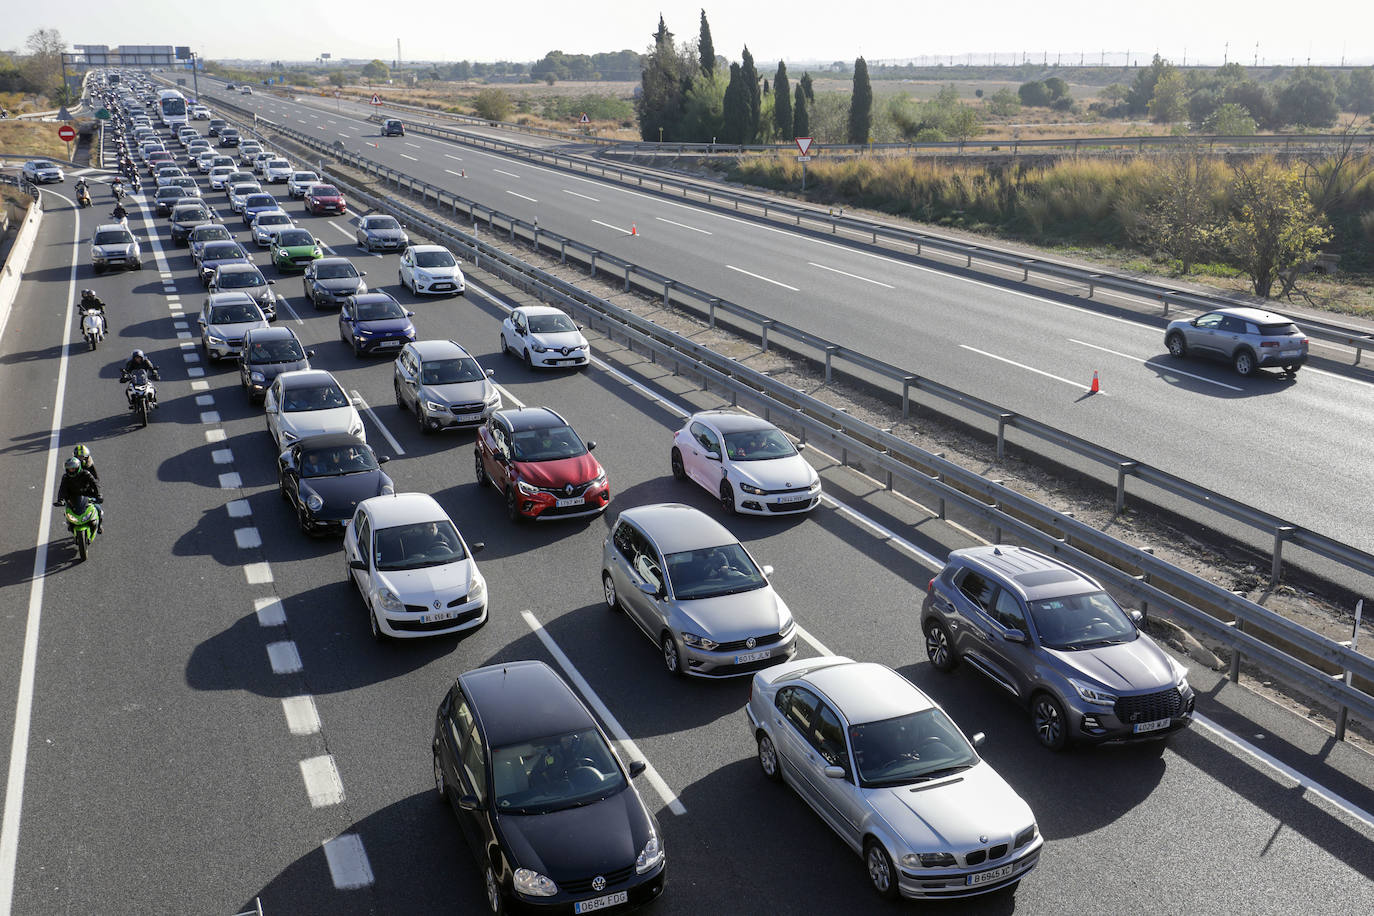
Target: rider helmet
{"x": 81, "y": 453}
{"x": 138, "y": 354}
{"x": 73, "y": 465}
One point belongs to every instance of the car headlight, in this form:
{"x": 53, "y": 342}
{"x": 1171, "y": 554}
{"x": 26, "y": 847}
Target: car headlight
{"x": 927, "y": 860}
{"x": 539, "y": 348}
{"x": 213, "y": 339}
{"x": 1093, "y": 694}
{"x": 650, "y": 855}
{"x": 479, "y": 589}
{"x": 313, "y": 502}
{"x": 787, "y": 626}
{"x": 750, "y": 488}
{"x": 256, "y": 377}
{"x": 699, "y": 642}
{"x": 435, "y": 407}
{"x": 388, "y": 600}
{"x": 525, "y": 488}
{"x": 317, "y": 253}
{"x": 600, "y": 479}
{"x": 388, "y": 489}
{"x": 362, "y": 332}
{"x": 532, "y": 884}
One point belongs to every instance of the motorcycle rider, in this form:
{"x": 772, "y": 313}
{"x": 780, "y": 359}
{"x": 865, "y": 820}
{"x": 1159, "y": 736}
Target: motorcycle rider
{"x": 90, "y": 302}
{"x": 120, "y": 214}
{"x": 83, "y": 454}
{"x": 139, "y": 362}
{"x": 76, "y": 483}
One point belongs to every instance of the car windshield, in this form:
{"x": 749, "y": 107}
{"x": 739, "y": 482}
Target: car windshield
{"x": 181, "y": 214}
{"x": 301, "y": 177}
{"x": 113, "y": 237}
{"x": 337, "y": 460}
{"x": 313, "y": 397}
{"x": 551, "y": 324}
{"x": 1081, "y": 622}
{"x": 233, "y": 314}
{"x": 379, "y": 310}
{"x": 335, "y": 271}
{"x": 552, "y": 774}
{"x": 912, "y": 748}
{"x": 713, "y": 571}
{"x": 324, "y": 190}
{"x": 382, "y": 222}
{"x": 184, "y": 181}
{"x": 243, "y": 189}
{"x": 260, "y": 200}
{"x": 222, "y": 251}
{"x": 434, "y": 259}
{"x": 295, "y": 238}
{"x": 278, "y": 164}
{"x": 273, "y": 219}
{"x": 211, "y": 233}
{"x": 758, "y": 445}
{"x": 275, "y": 351}
{"x": 240, "y": 279}
{"x": 450, "y": 371}
{"x": 419, "y": 545}
{"x": 548, "y": 444}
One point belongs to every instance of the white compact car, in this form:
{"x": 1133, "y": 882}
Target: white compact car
{"x": 414, "y": 571}
{"x": 746, "y": 462}
{"x": 544, "y": 336}
{"x": 309, "y": 402}
{"x": 276, "y": 170}
{"x": 431, "y": 269}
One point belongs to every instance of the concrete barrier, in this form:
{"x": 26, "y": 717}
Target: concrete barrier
{"x": 13, "y": 272}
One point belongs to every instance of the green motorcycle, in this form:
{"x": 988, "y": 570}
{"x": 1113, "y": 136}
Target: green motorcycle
{"x": 83, "y": 521}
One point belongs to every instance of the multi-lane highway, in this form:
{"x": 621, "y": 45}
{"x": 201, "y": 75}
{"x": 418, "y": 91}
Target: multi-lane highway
{"x": 202, "y": 718}
{"x": 1290, "y": 447}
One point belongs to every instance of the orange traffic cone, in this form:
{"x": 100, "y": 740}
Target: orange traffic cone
{"x": 462, "y": 173}
{"x": 634, "y": 230}
{"x": 1095, "y": 386}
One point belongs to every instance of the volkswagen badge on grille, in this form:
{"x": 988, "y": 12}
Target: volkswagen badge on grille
{"x": 436, "y": 604}
{"x": 750, "y": 643}
{"x": 599, "y": 883}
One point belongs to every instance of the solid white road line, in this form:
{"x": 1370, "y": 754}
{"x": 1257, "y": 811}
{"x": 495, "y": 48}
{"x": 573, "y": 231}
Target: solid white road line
{"x": 681, "y": 225}
{"x": 522, "y": 197}
{"x": 507, "y": 396}
{"x": 358, "y": 399}
{"x": 815, "y": 643}
{"x": 23, "y": 712}
{"x": 583, "y": 196}
{"x": 609, "y": 226}
{"x": 1012, "y": 362}
{"x": 760, "y": 277}
{"x": 851, "y": 276}
{"x": 1150, "y": 362}
{"x": 622, "y": 737}
{"x": 282, "y": 302}
{"x": 348, "y": 864}
{"x": 302, "y": 718}
{"x": 322, "y": 782}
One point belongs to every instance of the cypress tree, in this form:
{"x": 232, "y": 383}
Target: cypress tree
{"x": 801, "y": 122}
{"x": 806, "y": 87}
{"x": 663, "y": 99}
{"x": 860, "y": 104}
{"x": 750, "y": 77}
{"x": 782, "y": 103}
{"x": 706, "y": 50}
{"x": 734, "y": 113}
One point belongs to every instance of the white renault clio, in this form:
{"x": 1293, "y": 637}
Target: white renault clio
{"x": 414, "y": 571}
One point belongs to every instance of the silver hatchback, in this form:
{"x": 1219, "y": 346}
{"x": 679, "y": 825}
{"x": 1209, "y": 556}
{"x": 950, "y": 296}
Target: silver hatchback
{"x": 1247, "y": 338}
{"x": 693, "y": 589}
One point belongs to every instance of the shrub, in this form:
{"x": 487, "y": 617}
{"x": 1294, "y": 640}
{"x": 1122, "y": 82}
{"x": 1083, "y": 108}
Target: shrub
{"x": 493, "y": 105}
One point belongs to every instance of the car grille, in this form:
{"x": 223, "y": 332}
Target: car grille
{"x": 991, "y": 854}
{"x": 468, "y": 408}
{"x": 582, "y": 885}
{"x": 564, "y": 492}
{"x": 739, "y": 644}
{"x": 415, "y": 626}
{"x": 302, "y": 261}
{"x": 1149, "y": 707}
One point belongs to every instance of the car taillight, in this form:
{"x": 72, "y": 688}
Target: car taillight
{"x": 1269, "y": 343}
{"x": 930, "y": 586}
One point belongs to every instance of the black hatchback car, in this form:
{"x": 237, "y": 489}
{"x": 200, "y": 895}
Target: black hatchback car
{"x": 547, "y": 808}
{"x": 266, "y": 354}
{"x": 392, "y": 127}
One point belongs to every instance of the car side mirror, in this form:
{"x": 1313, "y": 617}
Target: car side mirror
{"x": 359, "y": 565}
{"x": 591, "y": 446}
{"x": 362, "y": 273}
{"x": 1136, "y": 616}
{"x": 309, "y": 352}
{"x": 637, "y": 767}
{"x": 201, "y": 322}
{"x": 383, "y": 459}
{"x": 491, "y": 373}
{"x": 801, "y": 446}
{"x": 1016, "y": 636}
{"x": 1193, "y": 322}
{"x": 714, "y": 456}
{"x": 271, "y": 282}
{"x": 469, "y": 803}
{"x": 410, "y": 314}
{"x": 649, "y": 589}
{"x": 768, "y": 570}
{"x": 477, "y": 546}
{"x": 270, "y": 409}
{"x": 978, "y": 739}
{"x": 835, "y": 773}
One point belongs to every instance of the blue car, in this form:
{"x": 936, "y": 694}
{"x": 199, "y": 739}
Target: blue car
{"x": 373, "y": 322}
{"x": 258, "y": 203}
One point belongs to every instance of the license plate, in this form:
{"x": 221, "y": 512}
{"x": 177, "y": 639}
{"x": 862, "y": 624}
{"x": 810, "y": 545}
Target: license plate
{"x": 601, "y": 903}
{"x": 467, "y": 417}
{"x": 441, "y": 615}
{"x": 442, "y": 286}
{"x": 389, "y": 343}
{"x": 574, "y": 501}
{"x": 752, "y": 656}
{"x": 987, "y": 877}
{"x": 805, "y": 497}
{"x": 1156, "y": 725}
{"x": 1290, "y": 353}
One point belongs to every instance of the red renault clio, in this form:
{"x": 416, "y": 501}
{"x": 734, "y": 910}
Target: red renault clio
{"x": 540, "y": 464}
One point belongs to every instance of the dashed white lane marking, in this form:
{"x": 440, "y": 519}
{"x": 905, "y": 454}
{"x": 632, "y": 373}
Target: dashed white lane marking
{"x": 1149, "y": 362}
{"x": 348, "y": 864}
{"x": 622, "y": 737}
{"x": 230, "y": 481}
{"x": 681, "y": 225}
{"x": 1011, "y": 362}
{"x": 595, "y": 200}
{"x": 410, "y": 157}
{"x": 270, "y": 612}
{"x": 504, "y": 172}
{"x": 284, "y": 657}
{"x": 195, "y": 372}
{"x": 191, "y": 356}
{"x": 222, "y": 456}
{"x": 748, "y": 273}
{"x": 412, "y": 145}
{"x": 205, "y": 400}
{"x": 521, "y": 196}
{"x": 179, "y": 325}
{"x": 846, "y": 273}
{"x": 247, "y": 538}
{"x": 183, "y": 335}
{"x": 200, "y": 385}
{"x": 609, "y": 226}
{"x": 454, "y": 174}
{"x": 448, "y": 156}
{"x": 257, "y": 573}
{"x": 302, "y": 718}
{"x": 215, "y": 435}
{"x": 341, "y": 134}
{"x": 358, "y": 399}
{"x": 209, "y": 416}
{"x": 322, "y": 782}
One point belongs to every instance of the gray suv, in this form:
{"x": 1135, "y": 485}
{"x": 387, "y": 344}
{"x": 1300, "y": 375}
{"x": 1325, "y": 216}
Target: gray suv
{"x": 1057, "y": 642}
{"x": 1247, "y": 338}
{"x": 444, "y": 385}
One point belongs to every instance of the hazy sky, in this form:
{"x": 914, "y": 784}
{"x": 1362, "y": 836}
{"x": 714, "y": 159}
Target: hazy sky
{"x": 1323, "y": 30}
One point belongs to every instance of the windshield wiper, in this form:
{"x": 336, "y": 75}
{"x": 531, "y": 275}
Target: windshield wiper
{"x": 942, "y": 771}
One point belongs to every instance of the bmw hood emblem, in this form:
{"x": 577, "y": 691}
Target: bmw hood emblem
{"x": 599, "y": 883}
{"x": 982, "y": 839}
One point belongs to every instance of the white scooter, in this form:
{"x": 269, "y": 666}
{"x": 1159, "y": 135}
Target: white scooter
{"x": 93, "y": 326}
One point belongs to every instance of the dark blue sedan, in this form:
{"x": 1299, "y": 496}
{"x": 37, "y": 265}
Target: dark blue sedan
{"x": 373, "y": 322}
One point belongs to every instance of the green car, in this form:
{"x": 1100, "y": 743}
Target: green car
{"x": 294, "y": 248}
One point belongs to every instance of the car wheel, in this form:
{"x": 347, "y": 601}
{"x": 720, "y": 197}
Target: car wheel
{"x": 1178, "y": 347}
{"x": 420, "y": 420}
{"x": 939, "y": 647}
{"x": 396, "y": 389}
{"x": 880, "y": 872}
{"x": 672, "y": 659}
{"x": 1050, "y": 725}
{"x": 479, "y": 469}
{"x": 353, "y": 342}
{"x": 495, "y": 899}
{"x": 301, "y": 522}
{"x": 512, "y": 505}
{"x": 608, "y": 588}
{"x": 679, "y": 471}
{"x": 440, "y": 785}
{"x": 727, "y": 498}
{"x": 377, "y": 634}
{"x": 1244, "y": 363}
{"x": 138, "y": 265}
{"x": 768, "y": 758}
{"x": 529, "y": 363}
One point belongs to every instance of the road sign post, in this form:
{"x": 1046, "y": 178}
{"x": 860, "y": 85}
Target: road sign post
{"x": 804, "y": 148}
{"x": 66, "y": 133}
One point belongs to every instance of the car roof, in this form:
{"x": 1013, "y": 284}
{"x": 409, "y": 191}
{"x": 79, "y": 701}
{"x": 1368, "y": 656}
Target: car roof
{"x": 521, "y": 701}
{"x": 378, "y": 216}
{"x": 542, "y": 310}
{"x": 732, "y": 421}
{"x": 438, "y": 349}
{"x": 675, "y": 527}
{"x": 233, "y": 298}
{"x": 300, "y": 378}
{"x": 1258, "y": 316}
{"x": 237, "y": 268}
{"x": 271, "y": 333}
{"x": 521, "y": 418}
{"x": 1033, "y": 574}
{"x": 320, "y": 262}
{"x": 867, "y": 691}
{"x": 375, "y": 296}
{"x": 110, "y": 227}
{"x": 424, "y": 248}
{"x": 402, "y": 508}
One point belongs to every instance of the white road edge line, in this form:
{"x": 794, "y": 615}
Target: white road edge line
{"x": 760, "y": 277}
{"x": 621, "y": 736}
{"x": 23, "y": 712}
{"x": 846, "y": 273}
{"x": 358, "y": 399}
{"x": 1012, "y": 362}
{"x": 1210, "y": 381}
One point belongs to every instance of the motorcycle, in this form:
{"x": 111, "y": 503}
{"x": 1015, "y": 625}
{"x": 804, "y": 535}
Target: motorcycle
{"x": 93, "y": 326}
{"x": 83, "y": 521}
{"x": 141, "y": 393}
{"x": 83, "y": 197}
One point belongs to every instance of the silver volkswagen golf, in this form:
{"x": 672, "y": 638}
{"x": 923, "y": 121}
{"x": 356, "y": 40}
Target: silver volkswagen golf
{"x": 694, "y": 590}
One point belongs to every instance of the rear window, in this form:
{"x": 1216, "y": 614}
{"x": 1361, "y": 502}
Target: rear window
{"x": 1286, "y": 329}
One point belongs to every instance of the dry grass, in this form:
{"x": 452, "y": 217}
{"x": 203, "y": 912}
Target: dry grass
{"x": 29, "y": 138}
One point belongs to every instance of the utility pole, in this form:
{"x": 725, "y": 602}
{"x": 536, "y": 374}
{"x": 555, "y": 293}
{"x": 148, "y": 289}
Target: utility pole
{"x": 195, "y": 74}
{"x": 398, "y": 53}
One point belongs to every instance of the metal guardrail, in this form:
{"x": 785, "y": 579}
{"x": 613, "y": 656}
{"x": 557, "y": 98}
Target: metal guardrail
{"x": 1132, "y": 570}
{"x": 866, "y": 367}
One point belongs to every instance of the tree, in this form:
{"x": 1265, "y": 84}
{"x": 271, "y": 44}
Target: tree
{"x": 376, "y": 71}
{"x": 1180, "y": 216}
{"x": 493, "y": 105}
{"x": 734, "y": 115}
{"x": 782, "y": 103}
{"x": 664, "y": 80}
{"x": 1170, "y": 100}
{"x": 43, "y": 69}
{"x": 1057, "y": 88}
{"x": 749, "y": 75}
{"x": 801, "y": 121}
{"x": 1308, "y": 99}
{"x": 1229, "y": 120}
{"x": 1273, "y": 226}
{"x": 805, "y": 83}
{"x": 1255, "y": 99}
{"x": 703, "y": 111}
{"x": 860, "y": 104}
{"x": 706, "y": 49}
{"x": 1139, "y": 95}
{"x": 337, "y": 78}
{"x": 1357, "y": 91}
{"x": 962, "y": 123}
{"x": 1034, "y": 94}
{"x": 1004, "y": 103}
